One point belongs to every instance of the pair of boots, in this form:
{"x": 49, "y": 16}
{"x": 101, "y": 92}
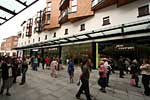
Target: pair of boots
{"x": 7, "y": 93}
{"x": 103, "y": 90}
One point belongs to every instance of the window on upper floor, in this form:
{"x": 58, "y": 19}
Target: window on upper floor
{"x": 49, "y": 6}
{"x": 25, "y": 42}
{"x": 106, "y": 20}
{"x": 48, "y": 17}
{"x": 54, "y": 34}
{"x": 22, "y": 35}
{"x": 143, "y": 11}
{"x": 82, "y": 27}
{"x": 33, "y": 40}
{"x": 39, "y": 39}
{"x": 66, "y": 31}
{"x": 73, "y": 6}
{"x": 45, "y": 37}
{"x": 29, "y": 42}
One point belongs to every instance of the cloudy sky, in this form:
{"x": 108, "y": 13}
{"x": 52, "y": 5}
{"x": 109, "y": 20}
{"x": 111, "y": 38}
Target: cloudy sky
{"x": 12, "y": 26}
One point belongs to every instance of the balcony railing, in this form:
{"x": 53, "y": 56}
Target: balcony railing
{"x": 63, "y": 14}
{"x": 95, "y": 2}
{"x": 64, "y": 3}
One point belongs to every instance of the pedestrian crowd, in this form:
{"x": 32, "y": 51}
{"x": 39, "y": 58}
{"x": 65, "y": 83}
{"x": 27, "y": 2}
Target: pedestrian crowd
{"x": 12, "y": 67}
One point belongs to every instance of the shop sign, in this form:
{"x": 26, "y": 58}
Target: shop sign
{"x": 50, "y": 49}
{"x": 35, "y": 49}
{"x": 123, "y": 47}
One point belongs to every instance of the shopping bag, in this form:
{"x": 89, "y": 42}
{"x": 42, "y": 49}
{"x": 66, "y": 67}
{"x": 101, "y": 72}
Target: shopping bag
{"x": 78, "y": 83}
{"x": 132, "y": 82}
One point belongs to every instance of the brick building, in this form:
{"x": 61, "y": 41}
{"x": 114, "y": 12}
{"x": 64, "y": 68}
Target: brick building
{"x": 8, "y": 44}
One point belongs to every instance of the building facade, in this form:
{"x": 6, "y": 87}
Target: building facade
{"x": 95, "y": 28}
{"x": 8, "y": 44}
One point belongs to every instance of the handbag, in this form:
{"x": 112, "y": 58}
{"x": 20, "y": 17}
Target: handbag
{"x": 78, "y": 83}
{"x": 132, "y": 82}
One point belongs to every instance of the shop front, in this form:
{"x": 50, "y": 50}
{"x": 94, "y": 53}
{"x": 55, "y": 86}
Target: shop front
{"x": 51, "y": 52}
{"x": 76, "y": 52}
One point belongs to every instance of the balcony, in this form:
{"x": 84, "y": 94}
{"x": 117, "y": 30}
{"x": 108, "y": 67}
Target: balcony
{"x": 99, "y": 4}
{"x": 29, "y": 31}
{"x": 64, "y": 16}
{"x": 64, "y": 4}
{"x": 124, "y": 2}
{"x": 19, "y": 34}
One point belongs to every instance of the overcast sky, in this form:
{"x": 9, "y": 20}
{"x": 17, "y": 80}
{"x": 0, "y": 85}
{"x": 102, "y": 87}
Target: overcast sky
{"x": 12, "y": 26}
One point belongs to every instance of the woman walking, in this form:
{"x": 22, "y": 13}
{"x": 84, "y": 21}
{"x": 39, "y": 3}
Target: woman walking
{"x": 5, "y": 77}
{"x": 24, "y": 70}
{"x": 102, "y": 76}
{"x": 145, "y": 71}
{"x": 85, "y": 80}
{"x": 54, "y": 65}
{"x": 71, "y": 70}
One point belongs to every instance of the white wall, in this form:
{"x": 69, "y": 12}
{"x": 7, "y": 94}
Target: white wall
{"x": 124, "y": 14}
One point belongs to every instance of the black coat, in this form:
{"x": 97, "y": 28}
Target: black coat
{"x": 5, "y": 71}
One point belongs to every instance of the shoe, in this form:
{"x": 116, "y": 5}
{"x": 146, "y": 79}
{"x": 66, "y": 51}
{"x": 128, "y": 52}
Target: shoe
{"x": 104, "y": 91}
{"x": 138, "y": 86}
{"x": 1, "y": 92}
{"x": 77, "y": 97}
{"x": 101, "y": 89}
{"x": 21, "y": 83}
{"x": 8, "y": 94}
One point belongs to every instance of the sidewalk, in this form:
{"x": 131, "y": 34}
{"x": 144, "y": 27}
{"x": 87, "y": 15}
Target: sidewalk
{"x": 41, "y": 86}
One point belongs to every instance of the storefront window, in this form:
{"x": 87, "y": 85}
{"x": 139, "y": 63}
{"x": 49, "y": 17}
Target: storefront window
{"x": 76, "y": 52}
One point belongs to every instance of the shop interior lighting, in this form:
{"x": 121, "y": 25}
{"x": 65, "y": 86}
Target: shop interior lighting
{"x": 96, "y": 34}
{"x": 82, "y": 37}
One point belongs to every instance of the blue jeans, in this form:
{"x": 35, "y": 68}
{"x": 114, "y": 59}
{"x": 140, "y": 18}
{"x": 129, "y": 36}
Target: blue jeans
{"x": 24, "y": 70}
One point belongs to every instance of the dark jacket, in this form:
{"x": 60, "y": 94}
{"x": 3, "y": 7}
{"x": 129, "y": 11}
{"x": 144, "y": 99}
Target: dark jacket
{"x": 85, "y": 73}
{"x": 134, "y": 68}
{"x": 5, "y": 72}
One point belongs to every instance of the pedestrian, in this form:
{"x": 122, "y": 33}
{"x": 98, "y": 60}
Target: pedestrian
{"x": 14, "y": 69}
{"x": 134, "y": 72}
{"x": 5, "y": 77}
{"x": 47, "y": 62}
{"x": 102, "y": 81}
{"x": 71, "y": 70}
{"x": 35, "y": 63}
{"x": 145, "y": 71}
{"x": 85, "y": 80}
{"x": 107, "y": 64}
{"x": 24, "y": 69}
{"x": 54, "y": 65}
{"x": 121, "y": 66}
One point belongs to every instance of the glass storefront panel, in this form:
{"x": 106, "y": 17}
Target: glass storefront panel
{"x": 51, "y": 52}
{"x": 76, "y": 52}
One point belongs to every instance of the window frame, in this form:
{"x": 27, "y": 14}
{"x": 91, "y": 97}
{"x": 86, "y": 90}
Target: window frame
{"x": 39, "y": 39}
{"x": 54, "y": 35}
{"x": 143, "y": 13}
{"x": 106, "y": 21}
{"x": 45, "y": 37}
{"x": 82, "y": 27}
{"x": 66, "y": 31}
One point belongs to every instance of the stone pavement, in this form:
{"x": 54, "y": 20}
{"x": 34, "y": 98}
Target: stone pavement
{"x": 41, "y": 86}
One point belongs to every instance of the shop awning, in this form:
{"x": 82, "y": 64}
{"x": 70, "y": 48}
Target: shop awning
{"x": 11, "y": 8}
{"x": 129, "y": 30}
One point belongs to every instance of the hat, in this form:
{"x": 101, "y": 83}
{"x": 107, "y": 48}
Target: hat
{"x": 104, "y": 59}
{"x": 101, "y": 62}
